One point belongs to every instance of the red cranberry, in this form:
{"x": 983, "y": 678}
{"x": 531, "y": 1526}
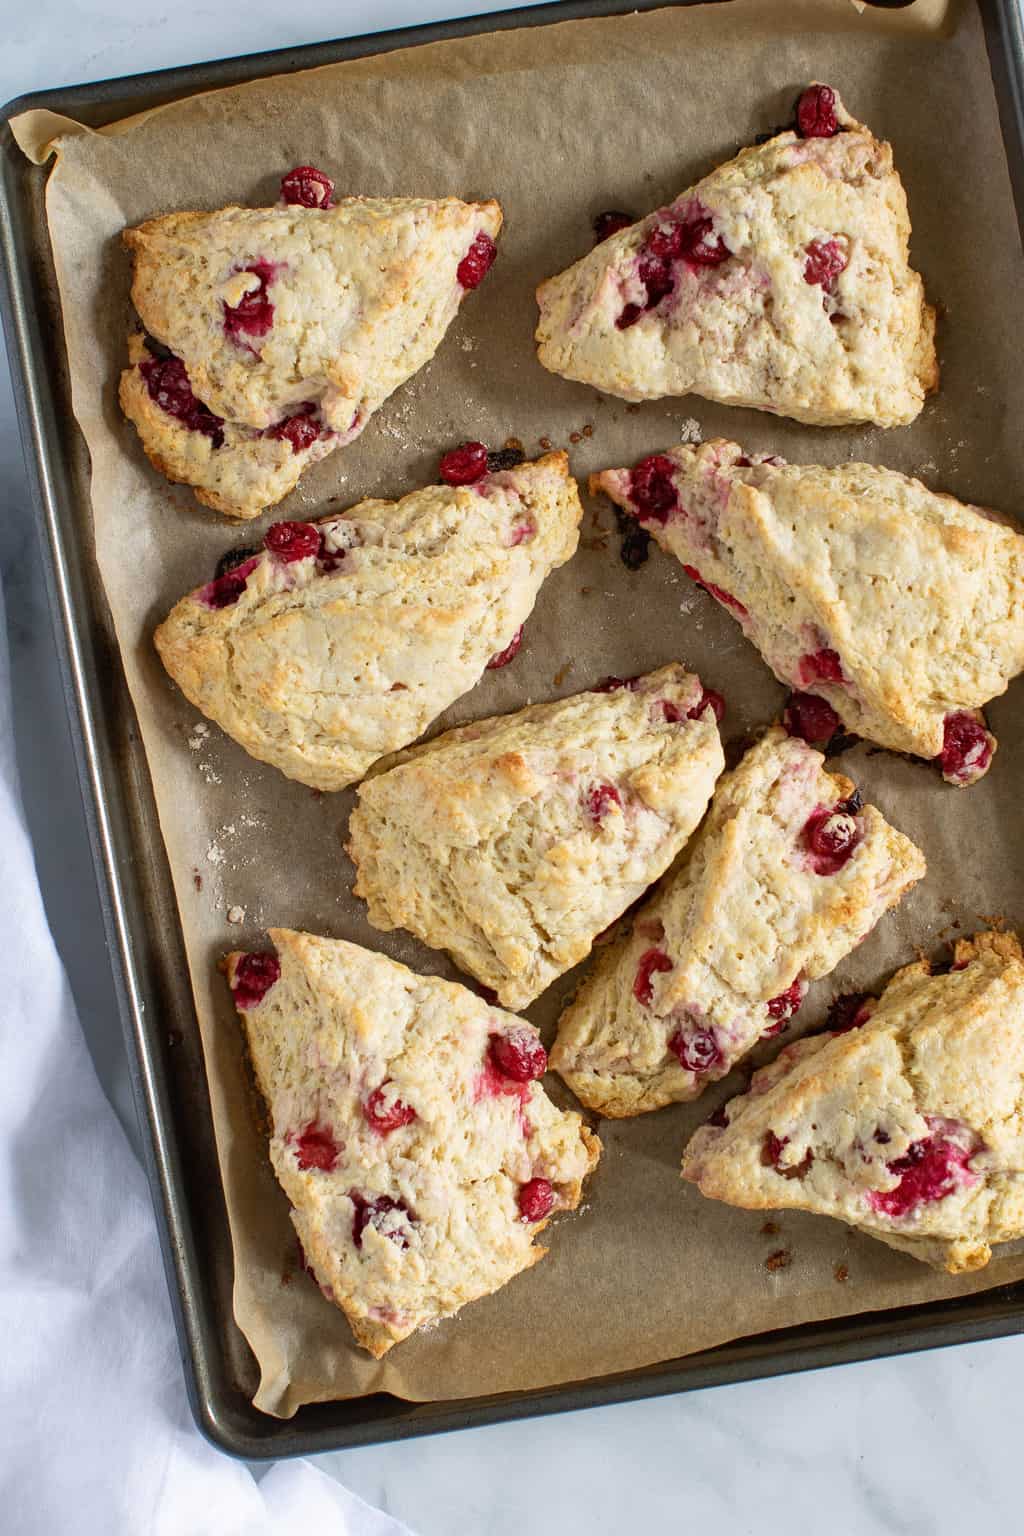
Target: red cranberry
{"x": 826, "y": 259}
{"x": 669, "y": 712}
{"x": 168, "y": 385}
{"x": 292, "y": 541}
{"x": 831, "y": 834}
{"x": 477, "y": 262}
{"x": 374, "y": 1213}
{"x": 653, "y": 490}
{"x": 651, "y": 961}
{"x": 698, "y": 1050}
{"x": 384, "y": 1114}
{"x": 811, "y": 719}
{"x": 306, "y": 187}
{"x": 255, "y": 974}
{"x": 702, "y": 248}
{"x": 771, "y": 1156}
{"x": 966, "y": 749}
{"x": 522, "y": 533}
{"x": 600, "y": 799}
{"x": 786, "y": 1004}
{"x": 224, "y": 590}
{"x": 609, "y": 223}
{"x": 535, "y": 1199}
{"x": 613, "y": 684}
{"x": 301, "y": 430}
{"x": 464, "y": 465}
{"x": 848, "y": 1011}
{"x": 629, "y": 315}
{"x": 519, "y": 1055}
{"x": 816, "y": 113}
{"x": 823, "y": 666}
{"x": 253, "y": 315}
{"x": 720, "y": 1118}
{"x": 929, "y": 1170}
{"x": 511, "y": 651}
{"x": 709, "y": 699}
{"x": 315, "y": 1147}
{"x": 718, "y": 593}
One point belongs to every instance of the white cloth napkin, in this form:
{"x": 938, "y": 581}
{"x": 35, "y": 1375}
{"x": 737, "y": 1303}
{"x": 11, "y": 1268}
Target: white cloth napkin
{"x": 95, "y": 1432}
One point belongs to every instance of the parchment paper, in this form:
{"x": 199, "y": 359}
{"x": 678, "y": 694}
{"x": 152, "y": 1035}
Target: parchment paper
{"x": 558, "y": 122}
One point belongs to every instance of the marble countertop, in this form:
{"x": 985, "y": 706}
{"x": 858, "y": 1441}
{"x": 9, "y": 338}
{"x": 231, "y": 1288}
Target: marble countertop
{"x": 923, "y": 1444}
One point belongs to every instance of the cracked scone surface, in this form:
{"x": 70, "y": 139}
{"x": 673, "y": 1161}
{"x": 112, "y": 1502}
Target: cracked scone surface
{"x": 909, "y": 1127}
{"x": 902, "y": 607}
{"x": 401, "y": 1146}
{"x": 722, "y": 954}
{"x": 323, "y": 664}
{"x": 790, "y": 291}
{"x": 513, "y": 842}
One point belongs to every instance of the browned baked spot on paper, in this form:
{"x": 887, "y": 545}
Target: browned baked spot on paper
{"x": 575, "y": 437}
{"x": 545, "y": 443}
{"x": 514, "y": 444}
{"x": 780, "y": 1259}
{"x": 770, "y": 1229}
{"x": 197, "y": 880}
{"x": 995, "y": 920}
{"x": 841, "y": 1273}
{"x": 563, "y": 673}
{"x": 588, "y": 430}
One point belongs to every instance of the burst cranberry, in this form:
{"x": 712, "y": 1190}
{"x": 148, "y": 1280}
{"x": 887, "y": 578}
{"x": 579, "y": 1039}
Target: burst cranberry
{"x": 306, "y": 187}
{"x": 771, "y": 1156}
{"x": 464, "y": 465}
{"x": 786, "y": 1004}
{"x": 375, "y": 1213}
{"x": 719, "y": 593}
{"x": 697, "y": 1050}
{"x": 511, "y": 651}
{"x": 315, "y": 1147}
{"x": 670, "y": 712}
{"x": 826, "y": 259}
{"x": 521, "y": 533}
{"x": 652, "y": 489}
{"x": 816, "y": 113}
{"x": 966, "y": 749}
{"x": 831, "y": 834}
{"x": 168, "y": 385}
{"x": 255, "y": 974}
{"x": 651, "y": 962}
{"x": 518, "y": 1055}
{"x": 385, "y": 1113}
{"x": 613, "y": 684}
{"x": 702, "y": 248}
{"x": 535, "y": 1199}
{"x": 301, "y": 430}
{"x": 709, "y": 699}
{"x": 929, "y": 1170}
{"x": 600, "y": 799}
{"x": 824, "y": 666}
{"x": 292, "y": 541}
{"x": 226, "y": 589}
{"x": 253, "y": 315}
{"x": 848, "y": 1011}
{"x": 477, "y": 262}
{"x": 811, "y": 719}
{"x": 629, "y": 315}
{"x": 609, "y": 223}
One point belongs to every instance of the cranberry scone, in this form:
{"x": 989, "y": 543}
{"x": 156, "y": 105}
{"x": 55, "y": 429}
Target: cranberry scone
{"x": 409, "y": 1130}
{"x": 341, "y": 640}
{"x": 277, "y": 332}
{"x": 906, "y": 1125}
{"x": 789, "y": 872}
{"x": 900, "y": 609}
{"x": 513, "y": 842}
{"x": 780, "y": 281}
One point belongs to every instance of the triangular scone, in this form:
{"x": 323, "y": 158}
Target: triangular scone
{"x": 409, "y": 1130}
{"x": 781, "y": 281}
{"x": 513, "y": 842}
{"x": 289, "y": 314}
{"x": 908, "y": 1126}
{"x": 342, "y": 640}
{"x": 901, "y": 607}
{"x": 789, "y": 872}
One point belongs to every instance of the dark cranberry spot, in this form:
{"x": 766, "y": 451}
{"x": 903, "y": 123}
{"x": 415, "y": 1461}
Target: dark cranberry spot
{"x": 966, "y": 750}
{"x": 670, "y": 712}
{"x": 720, "y": 1117}
{"x": 882, "y": 1137}
{"x": 629, "y": 315}
{"x": 535, "y": 1199}
{"x": 848, "y": 1011}
{"x": 929, "y": 1170}
{"x": 652, "y": 488}
{"x": 168, "y": 385}
{"x": 504, "y": 458}
{"x": 697, "y": 1050}
{"x": 600, "y": 799}
{"x": 232, "y": 558}
{"x": 464, "y": 465}
{"x": 315, "y": 1147}
{"x": 374, "y": 1213}
{"x": 826, "y": 259}
{"x": 301, "y": 430}
{"x": 384, "y": 1113}
{"x": 306, "y": 187}
{"x": 709, "y": 699}
{"x": 253, "y": 315}
{"x": 227, "y": 589}
{"x": 292, "y": 541}
{"x": 477, "y": 262}
{"x": 831, "y": 834}
{"x": 811, "y": 719}
{"x": 609, "y": 223}
{"x": 518, "y": 1055}
{"x": 718, "y": 593}
{"x": 635, "y": 548}
{"x": 613, "y": 684}
{"x": 816, "y": 113}
{"x": 702, "y": 248}
{"x": 824, "y": 666}
{"x": 689, "y": 239}
{"x": 651, "y": 961}
{"x": 255, "y": 974}
{"x": 771, "y": 1155}
{"x": 511, "y": 651}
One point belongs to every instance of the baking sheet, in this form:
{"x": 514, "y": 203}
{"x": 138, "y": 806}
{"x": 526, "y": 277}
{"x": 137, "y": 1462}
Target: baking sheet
{"x": 619, "y": 113}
